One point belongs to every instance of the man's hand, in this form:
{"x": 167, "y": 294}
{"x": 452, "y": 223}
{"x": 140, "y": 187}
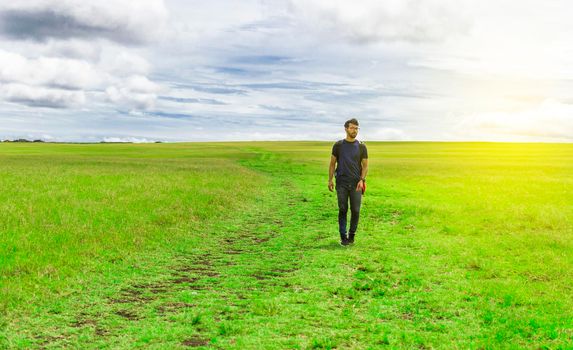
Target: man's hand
{"x": 359, "y": 186}
{"x": 330, "y": 185}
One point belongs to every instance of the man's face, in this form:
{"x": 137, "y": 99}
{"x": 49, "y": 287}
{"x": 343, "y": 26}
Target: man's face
{"x": 352, "y": 130}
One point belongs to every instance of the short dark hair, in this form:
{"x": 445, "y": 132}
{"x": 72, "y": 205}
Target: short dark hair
{"x": 351, "y": 121}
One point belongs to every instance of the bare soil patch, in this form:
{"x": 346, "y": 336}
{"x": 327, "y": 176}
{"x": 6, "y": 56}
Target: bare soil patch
{"x": 195, "y": 342}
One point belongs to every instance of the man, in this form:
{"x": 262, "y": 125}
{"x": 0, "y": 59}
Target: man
{"x": 352, "y": 159}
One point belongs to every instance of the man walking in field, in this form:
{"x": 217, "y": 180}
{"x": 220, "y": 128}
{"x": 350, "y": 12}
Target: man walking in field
{"x": 350, "y": 158}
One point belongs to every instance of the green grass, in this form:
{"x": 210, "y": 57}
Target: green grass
{"x": 234, "y": 245}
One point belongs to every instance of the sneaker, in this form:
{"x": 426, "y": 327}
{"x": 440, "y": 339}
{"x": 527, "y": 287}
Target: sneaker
{"x": 343, "y": 239}
{"x": 351, "y": 238}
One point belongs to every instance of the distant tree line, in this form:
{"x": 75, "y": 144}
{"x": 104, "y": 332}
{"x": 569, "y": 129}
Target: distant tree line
{"x": 25, "y": 140}
{"x": 21, "y": 140}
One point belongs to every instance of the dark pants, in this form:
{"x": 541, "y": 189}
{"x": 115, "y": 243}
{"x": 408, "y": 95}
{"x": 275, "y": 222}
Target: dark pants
{"x": 345, "y": 192}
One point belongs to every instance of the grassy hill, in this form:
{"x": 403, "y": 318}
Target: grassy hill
{"x": 235, "y": 245}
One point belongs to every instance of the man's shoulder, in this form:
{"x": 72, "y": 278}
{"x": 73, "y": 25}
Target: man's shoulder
{"x": 337, "y": 144}
{"x": 336, "y": 148}
{"x": 341, "y": 141}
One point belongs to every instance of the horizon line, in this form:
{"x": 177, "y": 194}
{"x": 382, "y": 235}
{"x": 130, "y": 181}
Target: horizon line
{"x": 284, "y": 141}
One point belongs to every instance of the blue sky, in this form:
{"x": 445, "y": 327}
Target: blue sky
{"x": 170, "y": 70}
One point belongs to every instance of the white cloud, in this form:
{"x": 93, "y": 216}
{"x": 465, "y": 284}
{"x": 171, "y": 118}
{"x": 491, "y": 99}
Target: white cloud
{"x": 127, "y": 139}
{"x": 73, "y": 48}
{"x": 59, "y": 72}
{"x": 78, "y": 49}
{"x": 127, "y": 21}
{"x": 140, "y": 84}
{"x": 121, "y": 62}
{"x": 62, "y": 82}
{"x": 37, "y": 96}
{"x": 365, "y": 21}
{"x": 134, "y": 92}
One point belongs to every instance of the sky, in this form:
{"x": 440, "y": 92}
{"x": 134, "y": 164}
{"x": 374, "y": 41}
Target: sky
{"x": 223, "y": 70}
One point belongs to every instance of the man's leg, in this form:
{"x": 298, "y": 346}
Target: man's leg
{"x": 342, "y": 194}
{"x": 355, "y": 203}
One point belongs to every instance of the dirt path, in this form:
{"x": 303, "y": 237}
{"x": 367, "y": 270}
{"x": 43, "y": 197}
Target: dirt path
{"x": 191, "y": 295}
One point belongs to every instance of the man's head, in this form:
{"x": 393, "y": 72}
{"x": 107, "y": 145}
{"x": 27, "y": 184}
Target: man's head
{"x": 351, "y": 127}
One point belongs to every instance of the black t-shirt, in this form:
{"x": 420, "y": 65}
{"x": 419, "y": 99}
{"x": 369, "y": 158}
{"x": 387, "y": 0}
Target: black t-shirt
{"x": 349, "y": 157}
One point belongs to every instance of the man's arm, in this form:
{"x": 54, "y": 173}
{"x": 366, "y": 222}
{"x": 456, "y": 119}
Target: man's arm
{"x": 364, "y": 168}
{"x": 362, "y": 174}
{"x": 331, "y": 172}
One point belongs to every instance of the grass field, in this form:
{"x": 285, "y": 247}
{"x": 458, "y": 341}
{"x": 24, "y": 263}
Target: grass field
{"x": 235, "y": 246}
